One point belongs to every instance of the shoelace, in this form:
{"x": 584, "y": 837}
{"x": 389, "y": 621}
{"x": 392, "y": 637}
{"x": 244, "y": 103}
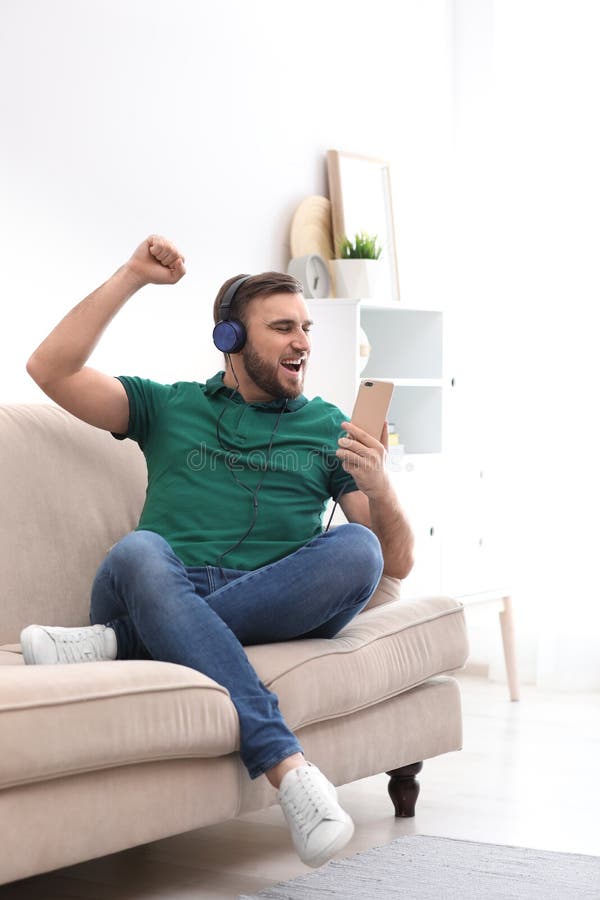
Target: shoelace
{"x": 311, "y": 807}
{"x": 73, "y": 647}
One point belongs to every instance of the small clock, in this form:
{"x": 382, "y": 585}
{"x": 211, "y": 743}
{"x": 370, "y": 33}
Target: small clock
{"x": 313, "y": 272}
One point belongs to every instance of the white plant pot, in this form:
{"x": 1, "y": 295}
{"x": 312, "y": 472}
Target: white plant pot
{"x": 357, "y": 278}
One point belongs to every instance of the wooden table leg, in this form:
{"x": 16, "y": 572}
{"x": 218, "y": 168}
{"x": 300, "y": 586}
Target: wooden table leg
{"x": 508, "y": 639}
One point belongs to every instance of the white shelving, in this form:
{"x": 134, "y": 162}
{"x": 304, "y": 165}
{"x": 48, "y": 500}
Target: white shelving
{"x": 441, "y": 478}
{"x": 405, "y": 343}
{"x": 406, "y": 348}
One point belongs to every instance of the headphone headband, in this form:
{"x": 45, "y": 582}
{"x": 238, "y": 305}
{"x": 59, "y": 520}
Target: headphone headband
{"x": 227, "y": 300}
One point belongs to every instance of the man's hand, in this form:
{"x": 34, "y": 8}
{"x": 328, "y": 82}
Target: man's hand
{"x": 364, "y": 458}
{"x": 156, "y": 261}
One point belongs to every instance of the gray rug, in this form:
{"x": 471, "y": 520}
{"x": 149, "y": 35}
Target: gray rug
{"x": 431, "y": 868}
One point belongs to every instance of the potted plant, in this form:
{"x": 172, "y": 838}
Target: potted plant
{"x": 358, "y": 266}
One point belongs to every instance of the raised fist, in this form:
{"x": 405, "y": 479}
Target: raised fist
{"x": 157, "y": 261}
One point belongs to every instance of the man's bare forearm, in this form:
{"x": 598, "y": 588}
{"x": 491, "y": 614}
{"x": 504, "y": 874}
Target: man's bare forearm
{"x": 68, "y": 347}
{"x": 364, "y": 458}
{"x": 394, "y": 532}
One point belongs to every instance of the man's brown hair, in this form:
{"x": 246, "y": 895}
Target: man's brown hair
{"x": 263, "y": 285}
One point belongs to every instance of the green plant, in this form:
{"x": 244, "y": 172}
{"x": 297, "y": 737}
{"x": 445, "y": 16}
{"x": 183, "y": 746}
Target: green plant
{"x": 364, "y": 247}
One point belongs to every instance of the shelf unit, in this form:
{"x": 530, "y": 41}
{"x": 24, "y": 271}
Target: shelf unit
{"x": 434, "y": 410}
{"x": 406, "y": 348}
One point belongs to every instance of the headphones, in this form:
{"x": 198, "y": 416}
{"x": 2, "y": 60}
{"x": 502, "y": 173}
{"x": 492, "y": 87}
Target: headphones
{"x": 229, "y": 335}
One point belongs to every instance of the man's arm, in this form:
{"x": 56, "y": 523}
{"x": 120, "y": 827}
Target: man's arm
{"x": 58, "y": 364}
{"x": 375, "y": 504}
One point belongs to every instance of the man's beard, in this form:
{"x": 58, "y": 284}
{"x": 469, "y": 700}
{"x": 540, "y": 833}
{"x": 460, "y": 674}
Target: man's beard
{"x": 265, "y": 378}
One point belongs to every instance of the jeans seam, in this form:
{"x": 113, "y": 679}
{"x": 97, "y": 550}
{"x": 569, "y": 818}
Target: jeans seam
{"x": 210, "y": 579}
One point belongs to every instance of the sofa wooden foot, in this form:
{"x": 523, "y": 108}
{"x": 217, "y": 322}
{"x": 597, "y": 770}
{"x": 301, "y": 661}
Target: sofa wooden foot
{"x": 404, "y": 789}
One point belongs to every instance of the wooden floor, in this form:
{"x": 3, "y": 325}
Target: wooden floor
{"x": 528, "y": 776}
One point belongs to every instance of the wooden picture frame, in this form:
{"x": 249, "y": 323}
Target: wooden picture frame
{"x": 361, "y": 200}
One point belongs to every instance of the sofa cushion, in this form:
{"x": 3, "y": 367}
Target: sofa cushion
{"x": 69, "y": 492}
{"x": 382, "y": 652}
{"x": 10, "y": 654}
{"x": 65, "y": 719}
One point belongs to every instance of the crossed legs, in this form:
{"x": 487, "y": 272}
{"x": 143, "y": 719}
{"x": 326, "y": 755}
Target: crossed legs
{"x": 201, "y": 618}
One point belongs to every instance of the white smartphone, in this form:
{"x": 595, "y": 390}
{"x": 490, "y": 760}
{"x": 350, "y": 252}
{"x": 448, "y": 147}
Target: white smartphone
{"x": 371, "y": 406}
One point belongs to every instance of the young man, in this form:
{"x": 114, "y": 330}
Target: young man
{"x": 229, "y": 549}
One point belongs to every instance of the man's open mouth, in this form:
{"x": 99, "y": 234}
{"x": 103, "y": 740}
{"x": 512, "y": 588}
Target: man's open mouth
{"x": 292, "y": 365}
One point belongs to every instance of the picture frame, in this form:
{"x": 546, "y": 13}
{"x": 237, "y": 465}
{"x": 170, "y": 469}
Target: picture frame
{"x": 361, "y": 200}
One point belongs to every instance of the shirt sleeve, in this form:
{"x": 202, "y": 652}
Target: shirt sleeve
{"x": 146, "y": 400}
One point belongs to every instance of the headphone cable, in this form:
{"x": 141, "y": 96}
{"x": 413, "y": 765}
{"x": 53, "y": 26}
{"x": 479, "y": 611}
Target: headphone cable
{"x": 337, "y": 499}
{"x": 252, "y": 491}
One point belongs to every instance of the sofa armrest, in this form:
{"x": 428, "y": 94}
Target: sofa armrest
{"x": 387, "y": 590}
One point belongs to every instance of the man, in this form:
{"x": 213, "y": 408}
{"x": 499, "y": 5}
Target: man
{"x": 229, "y": 550}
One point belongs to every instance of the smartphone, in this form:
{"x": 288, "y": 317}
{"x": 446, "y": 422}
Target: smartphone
{"x": 371, "y": 406}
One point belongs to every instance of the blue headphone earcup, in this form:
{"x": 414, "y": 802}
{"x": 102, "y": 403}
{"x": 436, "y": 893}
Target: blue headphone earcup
{"x": 229, "y": 336}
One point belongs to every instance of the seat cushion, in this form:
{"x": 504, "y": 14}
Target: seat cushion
{"x": 10, "y": 655}
{"x": 66, "y": 719}
{"x": 382, "y": 652}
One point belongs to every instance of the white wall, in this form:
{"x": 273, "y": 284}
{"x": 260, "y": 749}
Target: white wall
{"x": 548, "y": 139}
{"x": 539, "y": 289}
{"x": 209, "y": 123}
{"x": 525, "y": 286}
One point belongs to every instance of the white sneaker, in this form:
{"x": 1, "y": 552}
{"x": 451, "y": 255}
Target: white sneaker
{"x": 319, "y": 825}
{"x": 42, "y": 645}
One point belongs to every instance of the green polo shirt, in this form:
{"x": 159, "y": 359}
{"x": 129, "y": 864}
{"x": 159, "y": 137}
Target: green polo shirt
{"x": 203, "y": 486}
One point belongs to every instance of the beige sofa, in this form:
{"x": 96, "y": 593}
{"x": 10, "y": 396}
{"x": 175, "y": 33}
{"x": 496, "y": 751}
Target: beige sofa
{"x": 98, "y": 757}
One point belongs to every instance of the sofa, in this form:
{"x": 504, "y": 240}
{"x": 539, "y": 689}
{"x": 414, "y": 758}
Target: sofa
{"x": 99, "y": 757}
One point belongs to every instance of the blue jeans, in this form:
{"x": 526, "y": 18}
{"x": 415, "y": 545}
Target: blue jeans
{"x": 201, "y": 616}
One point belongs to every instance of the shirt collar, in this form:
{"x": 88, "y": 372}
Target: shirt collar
{"x": 215, "y": 385}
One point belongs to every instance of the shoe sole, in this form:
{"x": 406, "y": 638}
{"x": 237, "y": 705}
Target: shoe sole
{"x": 336, "y": 845}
